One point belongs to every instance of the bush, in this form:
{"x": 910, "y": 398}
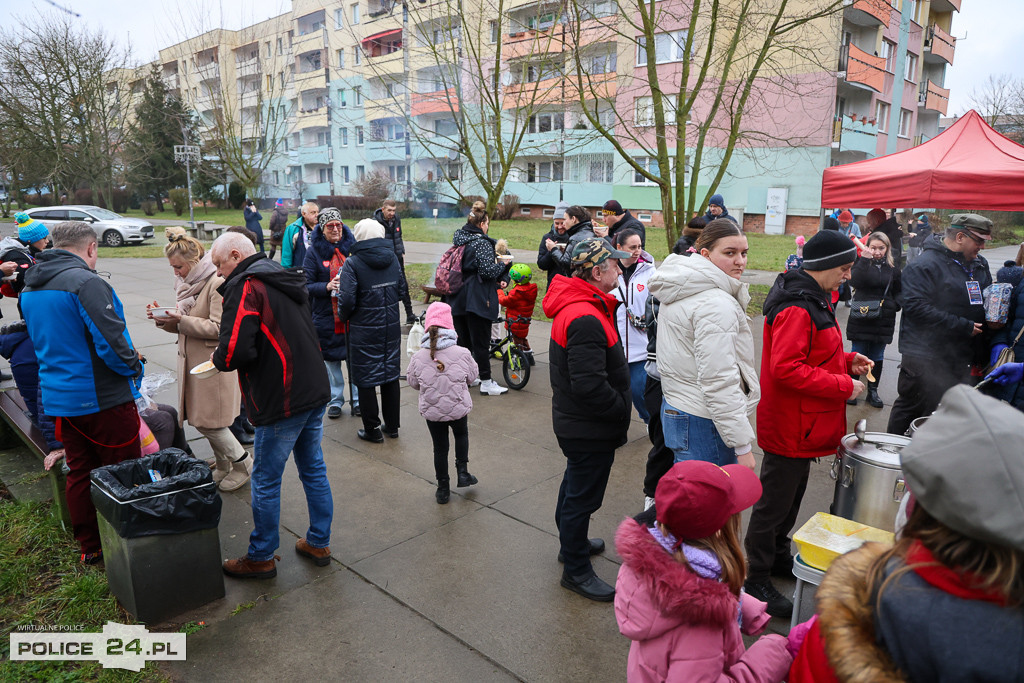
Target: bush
{"x": 508, "y": 209}
{"x": 179, "y": 200}
{"x": 375, "y": 186}
{"x": 84, "y": 197}
{"x": 236, "y": 195}
{"x": 120, "y": 199}
{"x": 148, "y": 207}
{"x": 466, "y": 202}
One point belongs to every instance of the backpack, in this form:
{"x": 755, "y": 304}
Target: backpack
{"x": 448, "y": 278}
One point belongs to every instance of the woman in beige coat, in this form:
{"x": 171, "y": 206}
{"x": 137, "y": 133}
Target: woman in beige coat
{"x": 209, "y": 404}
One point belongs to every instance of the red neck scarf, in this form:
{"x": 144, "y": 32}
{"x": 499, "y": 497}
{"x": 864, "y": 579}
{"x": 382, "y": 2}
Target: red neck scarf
{"x": 936, "y": 574}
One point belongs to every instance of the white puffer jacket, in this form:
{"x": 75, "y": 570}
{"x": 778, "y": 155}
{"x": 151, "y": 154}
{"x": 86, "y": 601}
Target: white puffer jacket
{"x": 705, "y": 346}
{"x": 634, "y": 297}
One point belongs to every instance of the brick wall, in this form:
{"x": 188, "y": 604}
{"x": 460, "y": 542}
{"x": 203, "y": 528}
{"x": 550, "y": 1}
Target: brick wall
{"x": 795, "y": 225}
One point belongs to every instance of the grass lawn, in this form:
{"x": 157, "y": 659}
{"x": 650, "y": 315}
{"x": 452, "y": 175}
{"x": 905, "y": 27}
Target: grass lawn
{"x": 43, "y": 584}
{"x": 211, "y": 215}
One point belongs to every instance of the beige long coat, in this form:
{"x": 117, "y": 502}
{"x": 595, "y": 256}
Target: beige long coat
{"x": 212, "y": 402}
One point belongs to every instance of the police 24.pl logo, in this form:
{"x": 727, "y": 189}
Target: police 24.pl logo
{"x": 118, "y": 646}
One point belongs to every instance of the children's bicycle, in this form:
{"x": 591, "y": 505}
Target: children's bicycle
{"x": 515, "y": 366}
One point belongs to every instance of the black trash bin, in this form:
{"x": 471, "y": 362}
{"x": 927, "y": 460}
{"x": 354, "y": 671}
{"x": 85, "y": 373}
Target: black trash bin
{"x": 160, "y": 543}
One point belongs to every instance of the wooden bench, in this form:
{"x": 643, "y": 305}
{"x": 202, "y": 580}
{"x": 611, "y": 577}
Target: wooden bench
{"x": 18, "y": 423}
{"x": 213, "y": 232}
{"x": 429, "y": 291}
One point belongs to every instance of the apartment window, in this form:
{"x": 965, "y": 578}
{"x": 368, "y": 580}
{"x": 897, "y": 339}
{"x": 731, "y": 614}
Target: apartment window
{"x": 322, "y": 139}
{"x": 357, "y": 55}
{"x": 545, "y": 123}
{"x": 540, "y": 22}
{"x": 266, "y": 49}
{"x": 601, "y": 171}
{"x": 286, "y": 144}
{"x": 341, "y": 98}
{"x": 355, "y": 13}
{"x": 324, "y": 175}
{"x": 495, "y": 27}
{"x": 340, "y": 54}
{"x": 270, "y": 83}
{"x": 543, "y": 171}
{"x": 905, "y": 119}
{"x": 526, "y": 211}
{"x": 280, "y": 112}
{"x": 360, "y": 172}
{"x": 910, "y": 73}
{"x": 649, "y": 164}
{"x": 882, "y": 117}
{"x": 603, "y": 64}
{"x": 291, "y": 38}
{"x": 280, "y": 46}
{"x": 668, "y": 47}
{"x": 397, "y": 173}
{"x": 280, "y": 79}
{"x": 495, "y": 171}
{"x": 339, "y": 18}
{"x": 596, "y": 9}
{"x": 344, "y": 175}
{"x": 359, "y": 136}
{"x": 277, "y": 177}
{"x": 357, "y": 95}
{"x": 645, "y": 110}
{"x": 453, "y": 170}
{"x": 888, "y": 53}
{"x": 344, "y": 137}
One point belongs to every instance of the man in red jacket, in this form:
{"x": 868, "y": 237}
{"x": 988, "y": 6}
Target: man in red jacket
{"x": 805, "y": 381}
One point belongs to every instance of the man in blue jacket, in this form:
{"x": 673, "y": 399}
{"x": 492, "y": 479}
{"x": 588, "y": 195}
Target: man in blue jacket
{"x": 89, "y": 369}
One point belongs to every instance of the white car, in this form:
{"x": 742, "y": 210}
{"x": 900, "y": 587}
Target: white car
{"x": 111, "y": 229}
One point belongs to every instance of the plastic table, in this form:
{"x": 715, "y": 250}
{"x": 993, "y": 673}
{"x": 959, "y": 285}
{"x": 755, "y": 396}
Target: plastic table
{"x": 804, "y": 573}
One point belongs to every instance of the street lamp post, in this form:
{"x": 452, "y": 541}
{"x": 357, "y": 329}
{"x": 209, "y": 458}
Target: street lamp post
{"x": 406, "y": 44}
{"x": 188, "y": 153}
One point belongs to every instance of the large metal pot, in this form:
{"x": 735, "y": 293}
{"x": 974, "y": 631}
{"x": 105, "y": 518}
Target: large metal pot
{"x": 869, "y": 480}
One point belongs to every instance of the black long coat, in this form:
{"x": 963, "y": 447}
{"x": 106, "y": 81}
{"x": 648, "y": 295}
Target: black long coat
{"x": 869, "y": 279}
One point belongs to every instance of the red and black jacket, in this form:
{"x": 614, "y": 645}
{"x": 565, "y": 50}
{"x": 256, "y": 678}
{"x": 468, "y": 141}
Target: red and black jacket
{"x": 804, "y": 380}
{"x": 590, "y": 399}
{"x": 267, "y": 335}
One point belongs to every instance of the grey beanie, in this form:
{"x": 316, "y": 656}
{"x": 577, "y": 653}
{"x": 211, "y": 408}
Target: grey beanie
{"x": 560, "y": 208}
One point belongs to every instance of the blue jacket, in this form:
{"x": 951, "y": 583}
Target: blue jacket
{"x": 317, "y": 269}
{"x": 87, "y": 361}
{"x": 368, "y": 300}
{"x": 293, "y": 246}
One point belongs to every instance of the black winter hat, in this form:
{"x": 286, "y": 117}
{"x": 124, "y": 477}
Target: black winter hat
{"x": 828, "y": 249}
{"x": 831, "y": 224}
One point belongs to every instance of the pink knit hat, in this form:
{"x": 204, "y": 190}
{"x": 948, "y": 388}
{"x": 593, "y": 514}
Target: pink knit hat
{"x": 439, "y": 314}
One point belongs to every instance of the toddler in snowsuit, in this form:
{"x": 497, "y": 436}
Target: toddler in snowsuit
{"x": 519, "y": 304}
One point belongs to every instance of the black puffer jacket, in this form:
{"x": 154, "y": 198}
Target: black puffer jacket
{"x": 576, "y": 234}
{"x": 480, "y": 274}
{"x": 267, "y": 335}
{"x": 938, "y": 318}
{"x": 368, "y": 300}
{"x": 628, "y": 220}
{"x": 870, "y": 278}
{"x": 317, "y": 269}
{"x": 392, "y": 231}
{"x": 546, "y": 258}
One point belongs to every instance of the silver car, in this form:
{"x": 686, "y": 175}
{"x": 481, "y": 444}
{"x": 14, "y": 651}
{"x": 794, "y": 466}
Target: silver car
{"x": 111, "y": 229}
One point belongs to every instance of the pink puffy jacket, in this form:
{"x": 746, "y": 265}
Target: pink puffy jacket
{"x": 444, "y": 396}
{"x": 685, "y": 628}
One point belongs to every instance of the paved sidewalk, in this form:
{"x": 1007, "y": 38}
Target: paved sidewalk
{"x": 416, "y": 590}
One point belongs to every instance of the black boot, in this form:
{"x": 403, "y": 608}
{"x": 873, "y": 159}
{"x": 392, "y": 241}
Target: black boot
{"x": 443, "y": 493}
{"x": 852, "y": 401}
{"x": 465, "y": 478}
{"x": 874, "y": 400}
{"x": 530, "y": 358}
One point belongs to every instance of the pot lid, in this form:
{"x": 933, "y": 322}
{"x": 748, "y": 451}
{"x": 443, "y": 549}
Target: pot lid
{"x": 878, "y": 448}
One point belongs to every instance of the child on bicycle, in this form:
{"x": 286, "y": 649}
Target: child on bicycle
{"x": 519, "y": 304}
{"x": 442, "y": 371}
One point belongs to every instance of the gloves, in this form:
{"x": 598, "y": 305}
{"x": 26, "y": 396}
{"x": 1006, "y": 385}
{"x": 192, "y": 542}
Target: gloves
{"x": 1007, "y": 374}
{"x": 996, "y": 350}
{"x": 797, "y": 634}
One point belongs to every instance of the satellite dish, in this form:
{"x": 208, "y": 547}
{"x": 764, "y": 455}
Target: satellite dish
{"x": 453, "y": 155}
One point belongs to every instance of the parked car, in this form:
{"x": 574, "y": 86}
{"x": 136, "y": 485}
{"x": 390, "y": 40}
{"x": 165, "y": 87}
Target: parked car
{"x": 111, "y": 229}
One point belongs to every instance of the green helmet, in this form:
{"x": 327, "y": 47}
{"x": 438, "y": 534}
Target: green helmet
{"x": 520, "y": 273}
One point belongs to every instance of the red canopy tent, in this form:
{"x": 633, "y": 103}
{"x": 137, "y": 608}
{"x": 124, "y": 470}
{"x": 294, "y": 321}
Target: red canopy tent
{"x": 969, "y": 165}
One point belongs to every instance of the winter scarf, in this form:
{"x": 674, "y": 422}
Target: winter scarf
{"x": 188, "y": 288}
{"x": 445, "y": 338}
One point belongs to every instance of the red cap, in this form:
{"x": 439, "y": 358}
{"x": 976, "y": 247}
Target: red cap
{"x": 845, "y": 216}
{"x": 695, "y": 498}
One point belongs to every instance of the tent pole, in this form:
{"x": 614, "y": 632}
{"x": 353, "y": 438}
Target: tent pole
{"x": 821, "y": 219}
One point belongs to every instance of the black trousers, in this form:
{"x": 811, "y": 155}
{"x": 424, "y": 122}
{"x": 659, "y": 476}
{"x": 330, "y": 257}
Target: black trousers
{"x": 390, "y": 394}
{"x": 439, "y": 437}
{"x": 921, "y": 384}
{"x": 403, "y": 287}
{"x": 660, "y": 459}
{"x": 475, "y": 334}
{"x": 163, "y": 422}
{"x": 784, "y": 481}
{"x": 580, "y": 495}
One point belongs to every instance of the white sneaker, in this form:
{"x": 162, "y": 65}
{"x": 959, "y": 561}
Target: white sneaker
{"x": 476, "y": 382}
{"x": 491, "y": 388}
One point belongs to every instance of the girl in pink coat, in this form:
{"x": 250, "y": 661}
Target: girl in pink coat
{"x": 442, "y": 372}
{"x": 679, "y": 594}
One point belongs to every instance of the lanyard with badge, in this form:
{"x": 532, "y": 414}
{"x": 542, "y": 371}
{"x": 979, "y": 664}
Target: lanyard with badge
{"x": 973, "y": 287}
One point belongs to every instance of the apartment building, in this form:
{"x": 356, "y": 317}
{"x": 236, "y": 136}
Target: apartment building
{"x": 329, "y": 86}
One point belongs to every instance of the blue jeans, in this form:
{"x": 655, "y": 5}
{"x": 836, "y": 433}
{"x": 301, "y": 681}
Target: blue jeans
{"x": 694, "y": 438}
{"x": 336, "y": 376}
{"x": 637, "y": 383}
{"x": 873, "y": 350}
{"x": 300, "y": 434}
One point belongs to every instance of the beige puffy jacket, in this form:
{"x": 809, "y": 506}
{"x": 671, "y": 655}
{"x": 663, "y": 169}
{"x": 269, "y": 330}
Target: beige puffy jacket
{"x": 705, "y": 346}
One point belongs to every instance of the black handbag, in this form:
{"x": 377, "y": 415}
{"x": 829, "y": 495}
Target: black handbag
{"x": 870, "y": 309}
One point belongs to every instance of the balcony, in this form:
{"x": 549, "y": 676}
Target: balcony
{"x": 249, "y": 99}
{"x": 171, "y": 81}
{"x": 208, "y": 72}
{"x": 384, "y": 150}
{"x": 559, "y": 90}
{"x": 315, "y": 116}
{"x": 385, "y": 65}
{"x": 205, "y": 102}
{"x": 315, "y": 78}
{"x": 932, "y": 97}
{"x": 850, "y": 134}
{"x": 939, "y": 46}
{"x": 314, "y": 40}
{"x": 437, "y": 102}
{"x": 945, "y": 6}
{"x": 311, "y": 155}
{"x": 250, "y": 67}
{"x": 862, "y": 70}
{"x": 867, "y": 12}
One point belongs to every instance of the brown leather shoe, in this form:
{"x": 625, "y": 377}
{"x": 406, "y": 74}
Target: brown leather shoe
{"x": 244, "y": 568}
{"x": 321, "y": 556}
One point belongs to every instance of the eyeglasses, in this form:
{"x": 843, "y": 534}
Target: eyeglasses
{"x": 332, "y": 226}
{"x": 978, "y": 240}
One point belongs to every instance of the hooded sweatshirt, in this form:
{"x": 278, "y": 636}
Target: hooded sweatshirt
{"x": 633, "y": 295}
{"x": 267, "y": 335}
{"x": 87, "y": 361}
{"x": 705, "y": 346}
{"x": 590, "y": 401}
{"x": 804, "y": 371}
{"x": 685, "y": 627}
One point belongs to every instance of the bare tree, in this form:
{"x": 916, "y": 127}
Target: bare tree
{"x": 732, "y": 62}
{"x": 1000, "y": 99}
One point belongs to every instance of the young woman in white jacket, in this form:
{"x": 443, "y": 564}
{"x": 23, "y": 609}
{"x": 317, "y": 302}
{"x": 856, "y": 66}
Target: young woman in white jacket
{"x": 706, "y": 349}
{"x": 632, "y": 290}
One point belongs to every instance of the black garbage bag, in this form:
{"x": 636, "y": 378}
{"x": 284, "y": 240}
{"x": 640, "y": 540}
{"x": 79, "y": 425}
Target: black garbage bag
{"x": 185, "y": 499}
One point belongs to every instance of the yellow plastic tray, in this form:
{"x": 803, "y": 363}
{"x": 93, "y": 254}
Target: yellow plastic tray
{"x": 825, "y": 537}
